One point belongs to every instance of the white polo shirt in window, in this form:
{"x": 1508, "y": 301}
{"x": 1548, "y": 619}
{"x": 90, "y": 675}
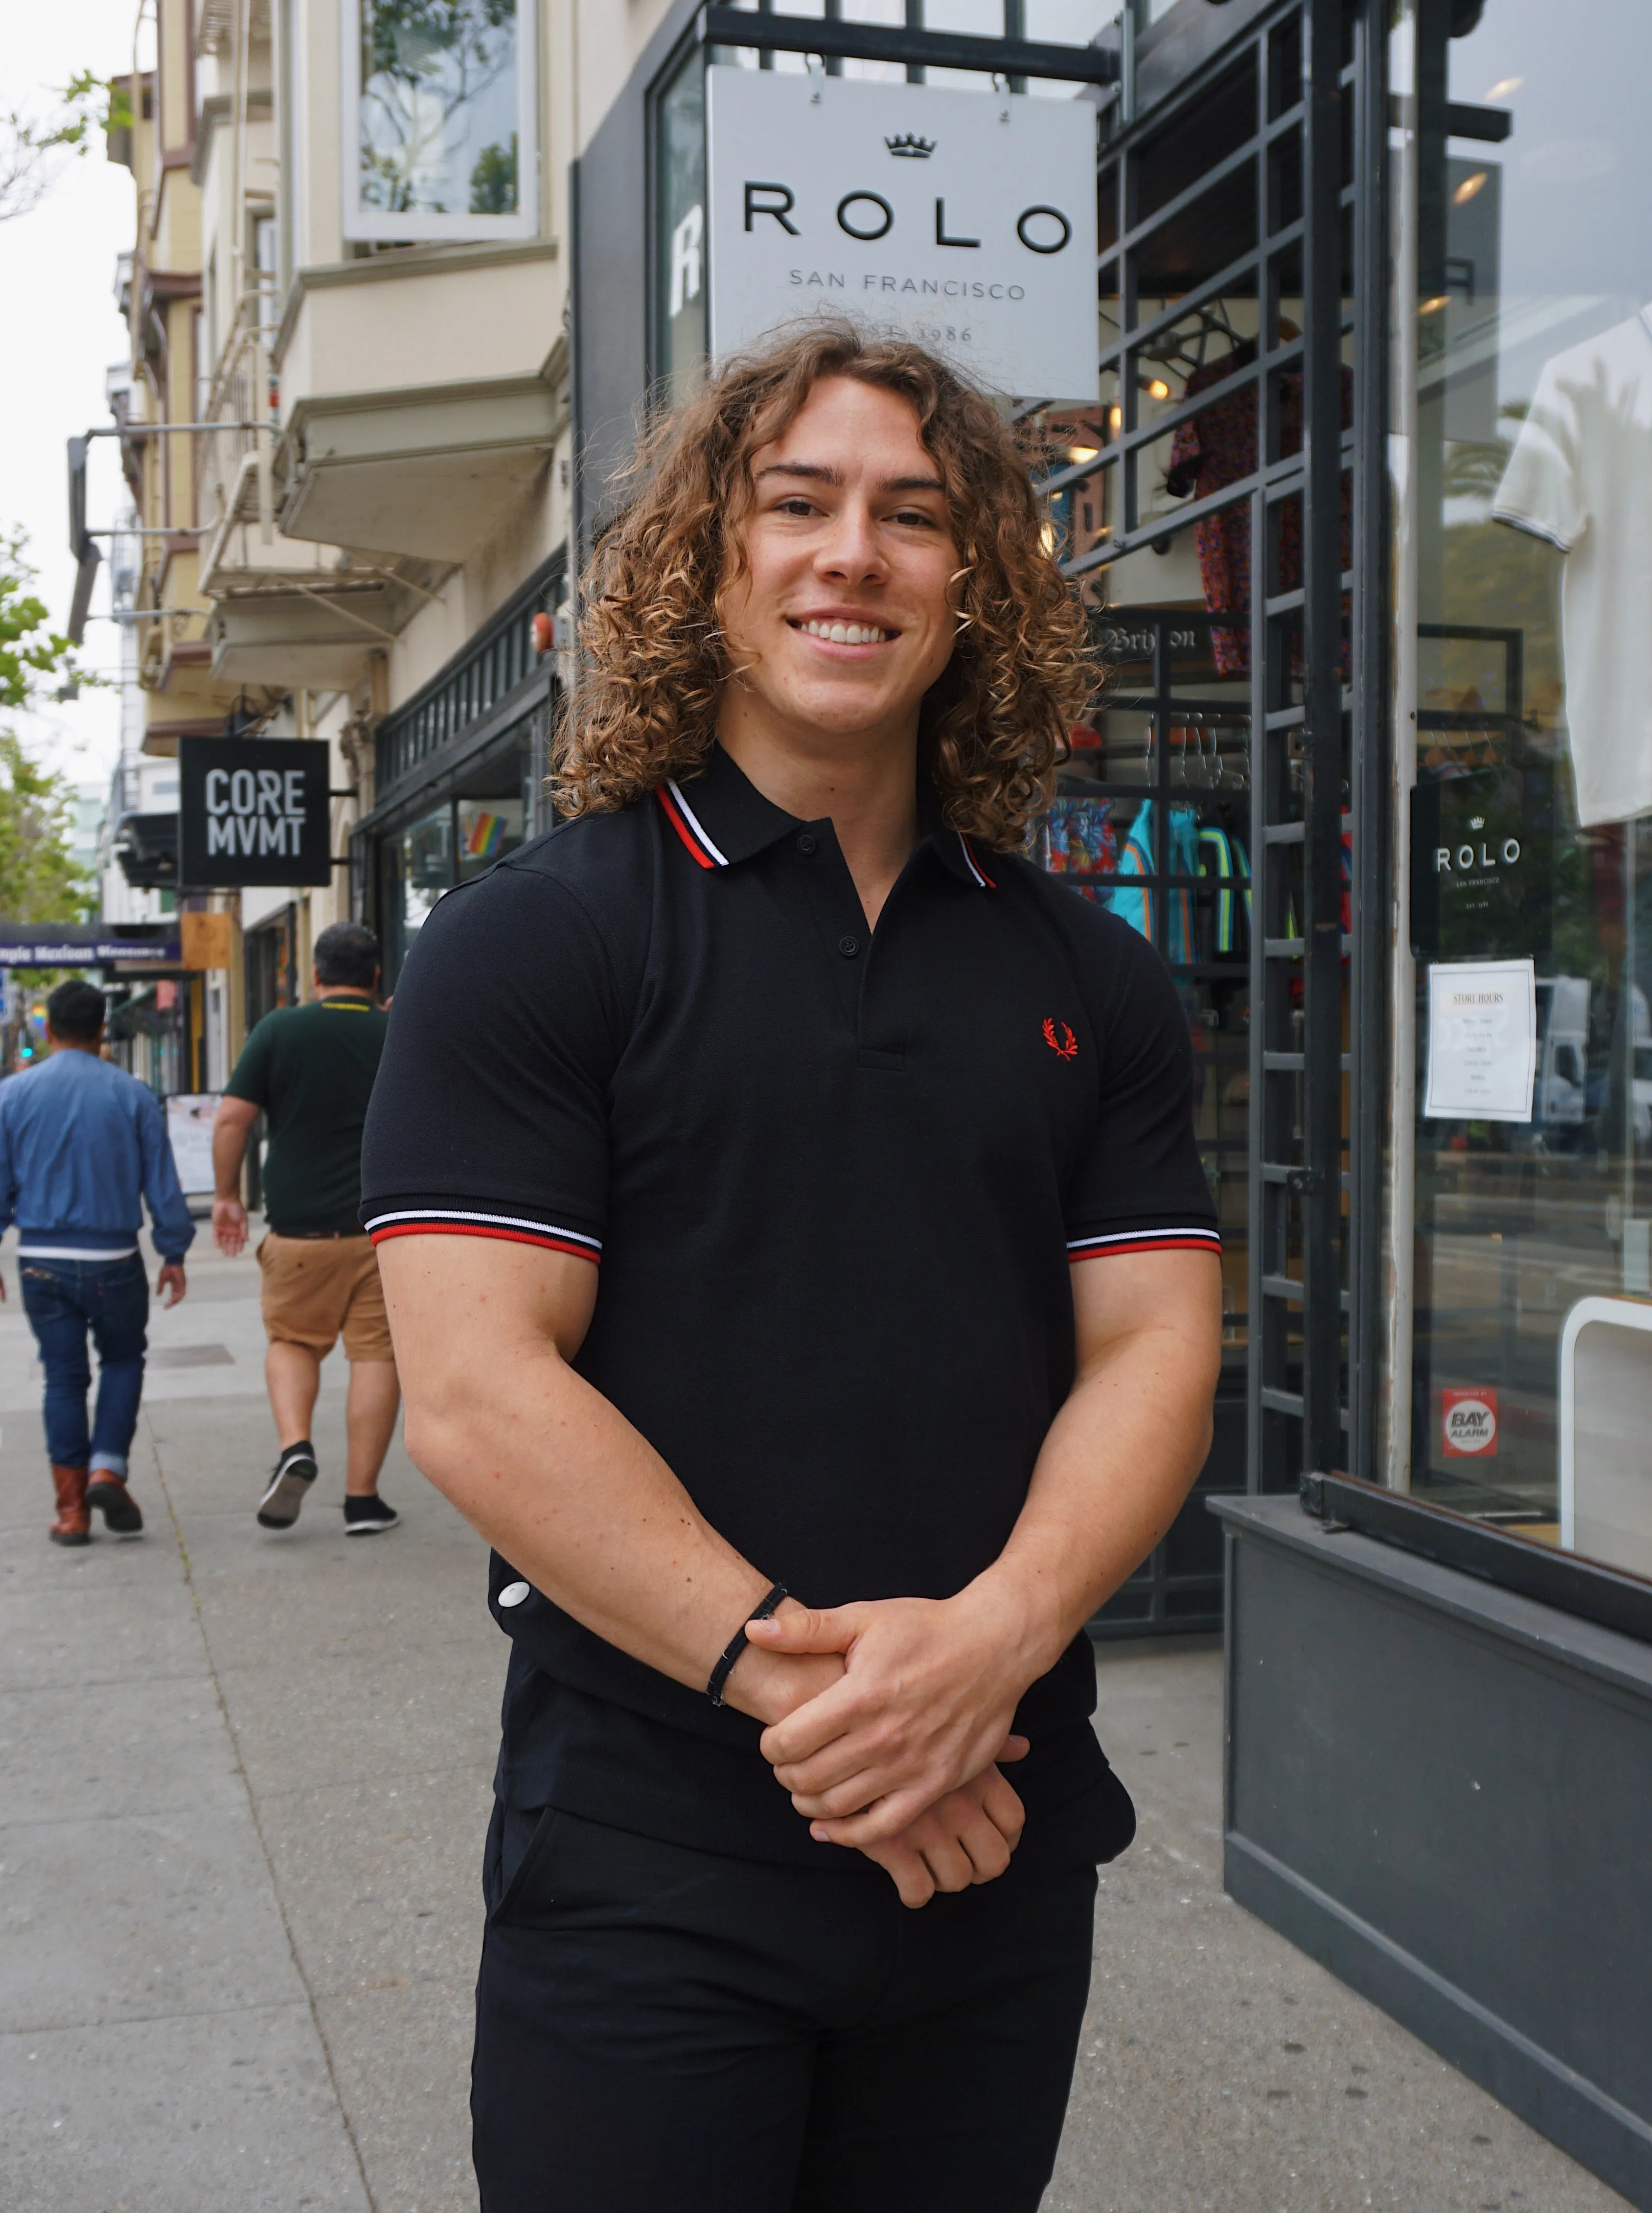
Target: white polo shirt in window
{"x": 1581, "y": 476}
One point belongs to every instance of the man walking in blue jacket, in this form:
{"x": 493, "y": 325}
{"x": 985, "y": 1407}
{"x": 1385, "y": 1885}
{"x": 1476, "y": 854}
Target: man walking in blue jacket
{"x": 80, "y": 1140}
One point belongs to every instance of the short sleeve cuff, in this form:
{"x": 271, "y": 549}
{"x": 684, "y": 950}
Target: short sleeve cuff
{"x": 550, "y": 1228}
{"x": 1172, "y": 1235}
{"x": 1534, "y": 525}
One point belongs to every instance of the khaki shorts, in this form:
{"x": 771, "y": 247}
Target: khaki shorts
{"x": 317, "y": 1289}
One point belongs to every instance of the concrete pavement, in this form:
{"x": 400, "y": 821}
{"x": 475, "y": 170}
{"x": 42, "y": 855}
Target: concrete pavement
{"x": 243, "y": 1784}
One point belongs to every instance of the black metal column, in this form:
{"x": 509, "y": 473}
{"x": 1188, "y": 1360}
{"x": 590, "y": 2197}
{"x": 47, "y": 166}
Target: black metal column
{"x": 1379, "y": 903}
{"x": 1323, "y": 755}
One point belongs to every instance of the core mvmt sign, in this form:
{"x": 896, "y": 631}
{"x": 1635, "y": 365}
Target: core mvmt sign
{"x": 255, "y": 811}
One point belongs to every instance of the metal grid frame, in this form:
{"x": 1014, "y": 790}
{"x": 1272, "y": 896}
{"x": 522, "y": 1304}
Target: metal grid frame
{"x": 1318, "y": 762}
{"x": 1316, "y": 759}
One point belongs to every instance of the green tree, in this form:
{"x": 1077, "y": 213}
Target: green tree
{"x": 39, "y": 879}
{"x": 493, "y": 180}
{"x": 33, "y": 149}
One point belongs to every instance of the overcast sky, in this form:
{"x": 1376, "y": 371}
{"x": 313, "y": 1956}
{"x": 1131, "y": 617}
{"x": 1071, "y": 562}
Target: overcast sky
{"x": 62, "y": 332}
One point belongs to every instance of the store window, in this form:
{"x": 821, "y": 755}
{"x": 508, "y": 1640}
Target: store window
{"x": 416, "y": 866}
{"x": 1521, "y": 1198}
{"x": 453, "y": 842}
{"x": 486, "y": 830}
{"x": 439, "y": 118}
{"x": 680, "y": 218}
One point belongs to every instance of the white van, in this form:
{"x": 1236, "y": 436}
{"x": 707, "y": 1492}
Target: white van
{"x": 1563, "y": 1030}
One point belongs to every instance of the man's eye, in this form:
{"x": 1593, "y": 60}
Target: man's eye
{"x": 796, "y": 505}
{"x": 915, "y": 515}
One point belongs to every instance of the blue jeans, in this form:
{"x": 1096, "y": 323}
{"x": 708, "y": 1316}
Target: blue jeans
{"x": 63, "y": 1300}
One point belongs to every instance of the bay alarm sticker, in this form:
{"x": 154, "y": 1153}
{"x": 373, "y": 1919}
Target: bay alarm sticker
{"x": 1468, "y": 1424}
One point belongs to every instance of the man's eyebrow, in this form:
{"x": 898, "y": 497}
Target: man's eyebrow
{"x": 818, "y": 472}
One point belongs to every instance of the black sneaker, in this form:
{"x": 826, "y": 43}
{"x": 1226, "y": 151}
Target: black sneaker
{"x": 362, "y": 1516}
{"x": 122, "y": 1516}
{"x": 295, "y": 1472}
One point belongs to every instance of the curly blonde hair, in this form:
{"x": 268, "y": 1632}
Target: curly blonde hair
{"x": 644, "y": 707}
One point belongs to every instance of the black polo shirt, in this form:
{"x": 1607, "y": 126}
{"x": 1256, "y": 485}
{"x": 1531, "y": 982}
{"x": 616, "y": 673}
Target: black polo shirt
{"x": 833, "y": 1180}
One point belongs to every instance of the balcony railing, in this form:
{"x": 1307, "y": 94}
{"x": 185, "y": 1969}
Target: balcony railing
{"x": 474, "y": 683}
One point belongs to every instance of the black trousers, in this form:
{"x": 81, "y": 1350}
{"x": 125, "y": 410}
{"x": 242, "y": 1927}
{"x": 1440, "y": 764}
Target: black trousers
{"x": 659, "y": 2030}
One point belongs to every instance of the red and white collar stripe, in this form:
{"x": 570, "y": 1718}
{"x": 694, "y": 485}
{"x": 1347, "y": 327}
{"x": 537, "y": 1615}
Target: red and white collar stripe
{"x": 983, "y": 882}
{"x": 689, "y": 827}
{"x": 710, "y": 855}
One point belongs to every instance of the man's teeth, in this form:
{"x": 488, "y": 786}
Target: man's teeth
{"x": 847, "y": 633}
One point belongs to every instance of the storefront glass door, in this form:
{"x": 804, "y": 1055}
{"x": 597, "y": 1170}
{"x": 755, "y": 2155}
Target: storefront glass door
{"x": 1523, "y": 508}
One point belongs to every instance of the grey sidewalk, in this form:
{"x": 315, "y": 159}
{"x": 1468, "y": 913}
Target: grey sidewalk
{"x": 245, "y": 1783}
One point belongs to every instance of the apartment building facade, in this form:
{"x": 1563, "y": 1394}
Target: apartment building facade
{"x": 349, "y": 289}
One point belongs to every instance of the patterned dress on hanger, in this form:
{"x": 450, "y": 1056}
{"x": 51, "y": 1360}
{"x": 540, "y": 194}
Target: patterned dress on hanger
{"x": 1216, "y": 448}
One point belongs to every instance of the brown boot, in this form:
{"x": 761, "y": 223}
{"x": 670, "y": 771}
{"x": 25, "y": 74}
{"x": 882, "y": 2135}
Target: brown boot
{"x": 73, "y": 1523}
{"x": 122, "y": 1515}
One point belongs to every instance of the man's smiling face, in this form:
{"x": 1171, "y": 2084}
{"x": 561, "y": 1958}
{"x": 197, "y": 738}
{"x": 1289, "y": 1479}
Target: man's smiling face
{"x": 847, "y": 613}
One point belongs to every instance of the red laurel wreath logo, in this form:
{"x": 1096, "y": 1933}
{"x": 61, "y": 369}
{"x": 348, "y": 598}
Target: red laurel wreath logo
{"x": 1064, "y": 1047}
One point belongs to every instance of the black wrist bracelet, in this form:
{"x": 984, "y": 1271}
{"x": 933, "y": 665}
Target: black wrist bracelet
{"x": 736, "y": 1643}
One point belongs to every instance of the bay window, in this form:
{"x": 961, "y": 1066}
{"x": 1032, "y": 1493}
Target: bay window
{"x": 439, "y": 119}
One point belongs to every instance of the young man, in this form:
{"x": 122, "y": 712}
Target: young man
{"x": 81, "y": 1144}
{"x": 311, "y": 1069}
{"x": 800, "y": 1500}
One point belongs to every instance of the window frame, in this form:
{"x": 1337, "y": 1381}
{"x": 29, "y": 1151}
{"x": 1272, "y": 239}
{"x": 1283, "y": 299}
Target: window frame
{"x": 362, "y": 225}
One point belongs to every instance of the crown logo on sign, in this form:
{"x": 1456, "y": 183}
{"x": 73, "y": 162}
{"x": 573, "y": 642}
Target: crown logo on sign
{"x": 1477, "y": 821}
{"x": 909, "y": 148}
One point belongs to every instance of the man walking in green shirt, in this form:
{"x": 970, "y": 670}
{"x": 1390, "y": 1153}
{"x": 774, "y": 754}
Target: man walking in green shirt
{"x": 310, "y": 1070}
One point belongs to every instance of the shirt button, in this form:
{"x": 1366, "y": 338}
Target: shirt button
{"x": 849, "y": 947}
{"x": 808, "y": 843}
{"x": 513, "y": 1594}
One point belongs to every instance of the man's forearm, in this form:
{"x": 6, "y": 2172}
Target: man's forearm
{"x": 1117, "y": 1464}
{"x": 228, "y": 1151}
{"x": 560, "y": 1484}
{"x": 931, "y": 1685}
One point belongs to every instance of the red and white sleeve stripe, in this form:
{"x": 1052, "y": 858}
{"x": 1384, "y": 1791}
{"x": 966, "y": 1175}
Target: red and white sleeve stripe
{"x": 463, "y": 1222}
{"x": 1174, "y": 1237}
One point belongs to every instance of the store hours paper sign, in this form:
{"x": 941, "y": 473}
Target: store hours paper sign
{"x": 1482, "y": 1041}
{"x": 963, "y": 220}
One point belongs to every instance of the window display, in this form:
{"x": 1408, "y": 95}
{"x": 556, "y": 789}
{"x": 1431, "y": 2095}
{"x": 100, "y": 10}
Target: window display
{"x": 487, "y": 829}
{"x": 1581, "y": 476}
{"x": 1522, "y": 1197}
{"x": 1216, "y": 448}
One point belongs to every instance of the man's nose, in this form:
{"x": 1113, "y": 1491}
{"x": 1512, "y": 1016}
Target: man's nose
{"x": 852, "y": 546}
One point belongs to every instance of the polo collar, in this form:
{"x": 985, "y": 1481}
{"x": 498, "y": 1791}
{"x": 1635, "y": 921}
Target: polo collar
{"x": 952, "y": 849}
{"x": 723, "y": 818}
